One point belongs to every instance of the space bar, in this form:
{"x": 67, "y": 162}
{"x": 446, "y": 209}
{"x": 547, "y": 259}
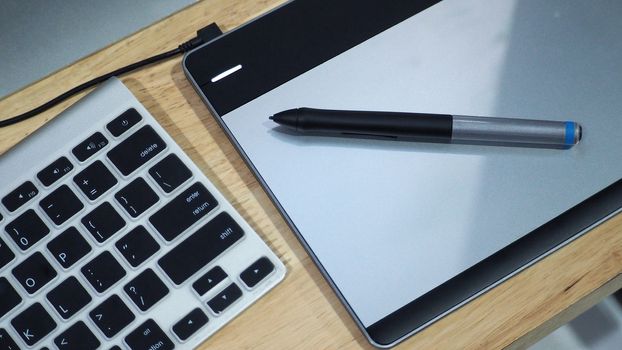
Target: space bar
{"x": 201, "y": 248}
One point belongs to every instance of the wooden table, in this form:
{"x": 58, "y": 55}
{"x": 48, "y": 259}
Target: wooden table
{"x": 303, "y": 312}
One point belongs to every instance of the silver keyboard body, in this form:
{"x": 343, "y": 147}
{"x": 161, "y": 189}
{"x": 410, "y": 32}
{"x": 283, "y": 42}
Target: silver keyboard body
{"x": 56, "y": 139}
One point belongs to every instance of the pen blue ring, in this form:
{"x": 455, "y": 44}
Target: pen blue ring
{"x": 570, "y": 133}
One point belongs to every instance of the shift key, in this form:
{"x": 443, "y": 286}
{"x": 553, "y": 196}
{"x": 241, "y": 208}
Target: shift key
{"x": 201, "y": 248}
{"x": 183, "y": 211}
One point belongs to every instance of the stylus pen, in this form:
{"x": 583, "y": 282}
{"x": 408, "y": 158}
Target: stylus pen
{"x": 426, "y": 127}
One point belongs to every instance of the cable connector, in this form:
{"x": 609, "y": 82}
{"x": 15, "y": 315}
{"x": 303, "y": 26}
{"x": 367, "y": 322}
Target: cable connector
{"x": 204, "y": 35}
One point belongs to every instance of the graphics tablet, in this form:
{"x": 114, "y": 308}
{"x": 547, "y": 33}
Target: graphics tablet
{"x": 406, "y": 232}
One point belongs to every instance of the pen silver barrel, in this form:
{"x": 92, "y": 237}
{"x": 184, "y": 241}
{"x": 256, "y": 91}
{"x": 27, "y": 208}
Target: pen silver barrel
{"x": 470, "y": 129}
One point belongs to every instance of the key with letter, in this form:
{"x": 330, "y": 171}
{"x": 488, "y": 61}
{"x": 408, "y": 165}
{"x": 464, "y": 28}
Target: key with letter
{"x": 69, "y": 247}
{"x": 33, "y": 324}
{"x": 69, "y": 297}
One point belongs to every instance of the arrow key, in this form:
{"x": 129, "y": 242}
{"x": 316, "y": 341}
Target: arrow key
{"x": 209, "y": 280}
{"x": 224, "y": 299}
{"x": 78, "y": 337}
{"x": 191, "y": 323}
{"x": 258, "y": 270}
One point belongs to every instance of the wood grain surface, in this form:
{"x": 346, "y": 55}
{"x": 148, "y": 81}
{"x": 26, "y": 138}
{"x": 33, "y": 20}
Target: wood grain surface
{"x": 303, "y": 312}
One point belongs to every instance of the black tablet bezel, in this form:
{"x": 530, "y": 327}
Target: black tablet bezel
{"x": 303, "y": 34}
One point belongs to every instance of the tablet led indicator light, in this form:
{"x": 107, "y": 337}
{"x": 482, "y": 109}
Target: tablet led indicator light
{"x": 226, "y": 73}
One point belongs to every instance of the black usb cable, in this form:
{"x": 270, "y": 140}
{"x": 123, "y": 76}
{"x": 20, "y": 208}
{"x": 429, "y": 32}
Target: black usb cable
{"x": 203, "y": 35}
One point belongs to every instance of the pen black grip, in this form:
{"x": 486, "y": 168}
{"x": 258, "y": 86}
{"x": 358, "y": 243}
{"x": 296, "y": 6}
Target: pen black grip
{"x": 416, "y": 126}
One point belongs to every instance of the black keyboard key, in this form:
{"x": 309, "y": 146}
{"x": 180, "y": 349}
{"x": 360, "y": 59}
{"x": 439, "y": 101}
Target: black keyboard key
{"x": 190, "y": 324}
{"x": 201, "y": 248}
{"x": 148, "y": 336}
{"x": 20, "y": 196}
{"x": 33, "y": 324}
{"x": 77, "y": 337}
{"x": 9, "y": 298}
{"x": 209, "y": 280}
{"x": 183, "y": 211}
{"x": 136, "y": 197}
{"x": 69, "y": 297}
{"x": 146, "y": 290}
{"x": 61, "y": 205}
{"x": 6, "y": 342}
{"x": 137, "y": 246}
{"x": 95, "y": 180}
{"x": 69, "y": 247}
{"x": 103, "y": 272}
{"x": 258, "y": 270}
{"x": 112, "y": 316}
{"x": 136, "y": 150}
{"x": 103, "y": 222}
{"x": 55, "y": 171}
{"x": 90, "y": 146}
{"x": 27, "y": 229}
{"x": 34, "y": 273}
{"x": 225, "y": 298}
{"x": 6, "y": 255}
{"x": 170, "y": 173}
{"x": 124, "y": 122}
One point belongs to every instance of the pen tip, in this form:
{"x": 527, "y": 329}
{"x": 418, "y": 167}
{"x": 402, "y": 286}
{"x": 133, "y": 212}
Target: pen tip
{"x": 271, "y": 117}
{"x": 580, "y": 133}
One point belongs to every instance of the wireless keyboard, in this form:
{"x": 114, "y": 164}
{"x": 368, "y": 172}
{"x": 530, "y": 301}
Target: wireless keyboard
{"x": 112, "y": 238}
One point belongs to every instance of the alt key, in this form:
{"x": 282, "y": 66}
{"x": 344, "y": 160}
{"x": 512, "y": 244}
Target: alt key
{"x": 149, "y": 336}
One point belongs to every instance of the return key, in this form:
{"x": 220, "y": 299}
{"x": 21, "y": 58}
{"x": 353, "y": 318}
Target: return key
{"x": 183, "y": 211}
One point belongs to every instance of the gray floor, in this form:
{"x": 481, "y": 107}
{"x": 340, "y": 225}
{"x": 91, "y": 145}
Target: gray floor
{"x": 599, "y": 328}
{"x": 32, "y": 31}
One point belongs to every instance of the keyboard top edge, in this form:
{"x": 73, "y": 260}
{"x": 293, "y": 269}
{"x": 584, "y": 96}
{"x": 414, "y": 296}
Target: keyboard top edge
{"x": 90, "y": 112}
